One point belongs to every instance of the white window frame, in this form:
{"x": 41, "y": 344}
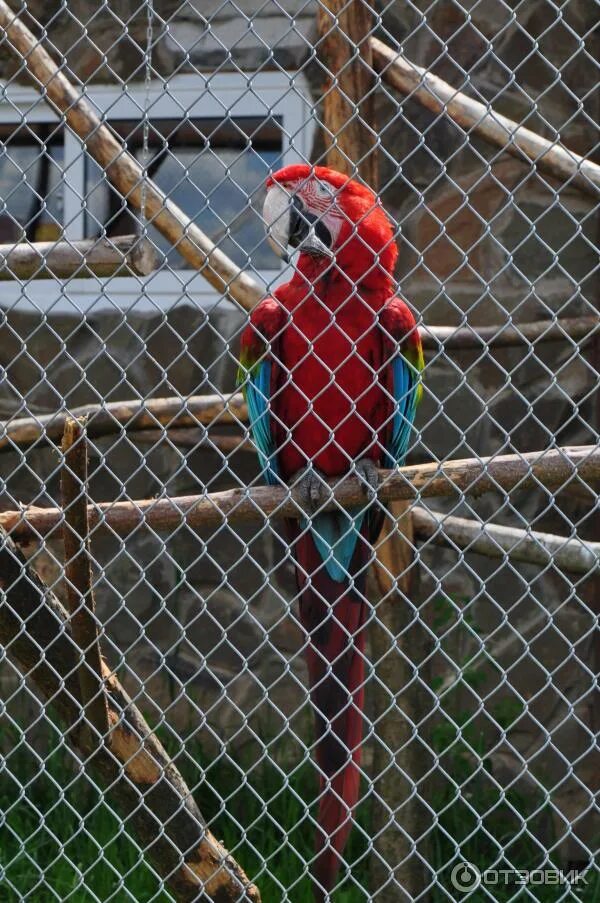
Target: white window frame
{"x": 284, "y": 95}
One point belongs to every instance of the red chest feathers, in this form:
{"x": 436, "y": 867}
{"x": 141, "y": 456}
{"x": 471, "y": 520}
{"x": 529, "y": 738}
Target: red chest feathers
{"x": 329, "y": 403}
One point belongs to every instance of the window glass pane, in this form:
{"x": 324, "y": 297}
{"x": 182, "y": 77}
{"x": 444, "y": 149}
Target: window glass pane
{"x": 222, "y": 193}
{"x": 221, "y": 188}
{"x": 31, "y": 189}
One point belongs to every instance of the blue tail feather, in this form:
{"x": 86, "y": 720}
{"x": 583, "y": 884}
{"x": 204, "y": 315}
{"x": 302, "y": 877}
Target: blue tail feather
{"x": 335, "y": 534}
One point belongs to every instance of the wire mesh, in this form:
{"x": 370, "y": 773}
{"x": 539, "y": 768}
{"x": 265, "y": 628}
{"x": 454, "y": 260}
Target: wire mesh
{"x": 479, "y": 768}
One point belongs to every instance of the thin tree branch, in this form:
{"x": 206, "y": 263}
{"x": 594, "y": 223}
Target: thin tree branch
{"x": 118, "y": 256}
{"x": 174, "y": 413}
{"x": 78, "y": 575}
{"x": 552, "y": 469}
{"x": 123, "y": 170}
{"x": 111, "y": 417}
{"x": 192, "y": 438}
{"x": 440, "y": 97}
{"x": 496, "y": 541}
{"x": 137, "y": 772}
{"x": 463, "y": 338}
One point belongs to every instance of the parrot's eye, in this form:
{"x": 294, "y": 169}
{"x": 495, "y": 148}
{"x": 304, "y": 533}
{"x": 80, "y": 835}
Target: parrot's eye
{"x": 322, "y": 191}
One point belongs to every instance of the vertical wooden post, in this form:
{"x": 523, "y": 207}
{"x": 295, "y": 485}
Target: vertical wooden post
{"x": 351, "y": 136}
{"x": 344, "y": 49}
{"x": 78, "y": 574}
{"x": 398, "y": 702}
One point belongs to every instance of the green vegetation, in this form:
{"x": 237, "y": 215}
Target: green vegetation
{"x": 276, "y": 841}
{"x": 60, "y": 842}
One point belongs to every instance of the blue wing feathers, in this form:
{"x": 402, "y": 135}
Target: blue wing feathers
{"x": 404, "y": 378}
{"x": 258, "y": 394}
{"x": 335, "y": 533}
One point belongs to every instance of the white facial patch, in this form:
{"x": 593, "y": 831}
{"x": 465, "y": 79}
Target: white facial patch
{"x": 276, "y": 214}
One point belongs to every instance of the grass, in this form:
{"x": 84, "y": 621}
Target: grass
{"x": 60, "y": 842}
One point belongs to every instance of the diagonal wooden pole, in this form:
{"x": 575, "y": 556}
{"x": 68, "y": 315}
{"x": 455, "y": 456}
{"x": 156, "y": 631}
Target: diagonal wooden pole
{"x": 133, "y": 766}
{"x": 440, "y": 97}
{"x": 565, "y": 553}
{"x": 122, "y": 169}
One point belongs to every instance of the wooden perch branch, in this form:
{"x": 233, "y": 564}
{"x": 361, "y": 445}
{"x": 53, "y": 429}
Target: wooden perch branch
{"x": 123, "y": 170}
{"x": 473, "y": 476}
{"x": 78, "y": 575}
{"x": 464, "y": 338}
{"x": 119, "y": 256}
{"x": 175, "y": 413}
{"x": 139, "y": 776}
{"x": 440, "y": 97}
{"x": 192, "y": 438}
{"x": 111, "y": 417}
{"x": 496, "y": 541}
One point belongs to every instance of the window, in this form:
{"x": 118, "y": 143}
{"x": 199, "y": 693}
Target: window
{"x": 31, "y": 183}
{"x": 209, "y": 151}
{"x": 214, "y": 172}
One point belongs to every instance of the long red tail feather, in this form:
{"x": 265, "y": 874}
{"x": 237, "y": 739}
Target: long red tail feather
{"x": 333, "y": 615}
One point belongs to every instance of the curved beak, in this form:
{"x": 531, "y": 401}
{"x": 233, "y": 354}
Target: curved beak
{"x": 308, "y": 232}
{"x": 290, "y": 224}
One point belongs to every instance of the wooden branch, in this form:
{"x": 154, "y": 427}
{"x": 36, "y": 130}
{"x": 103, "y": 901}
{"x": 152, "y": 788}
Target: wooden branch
{"x": 111, "y": 417}
{"x": 139, "y": 776}
{"x": 119, "y": 256}
{"x": 440, "y": 97}
{"x": 464, "y": 338}
{"x": 176, "y": 413}
{"x": 348, "y": 96}
{"x": 497, "y": 541}
{"x": 191, "y": 438}
{"x": 552, "y": 469}
{"x": 78, "y": 575}
{"x": 123, "y": 170}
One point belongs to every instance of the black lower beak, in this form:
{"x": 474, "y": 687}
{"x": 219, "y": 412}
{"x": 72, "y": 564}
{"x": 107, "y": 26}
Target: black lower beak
{"x": 301, "y": 223}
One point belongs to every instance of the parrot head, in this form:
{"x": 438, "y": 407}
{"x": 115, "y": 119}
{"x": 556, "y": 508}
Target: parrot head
{"x": 328, "y": 216}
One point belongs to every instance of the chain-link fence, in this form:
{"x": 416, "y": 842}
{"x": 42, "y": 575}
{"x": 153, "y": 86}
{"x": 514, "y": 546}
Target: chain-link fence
{"x": 159, "y": 740}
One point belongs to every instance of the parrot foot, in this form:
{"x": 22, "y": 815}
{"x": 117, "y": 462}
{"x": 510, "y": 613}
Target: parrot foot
{"x": 366, "y": 471}
{"x": 313, "y": 489}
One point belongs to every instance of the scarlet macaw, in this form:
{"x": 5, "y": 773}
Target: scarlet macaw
{"x": 330, "y": 367}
